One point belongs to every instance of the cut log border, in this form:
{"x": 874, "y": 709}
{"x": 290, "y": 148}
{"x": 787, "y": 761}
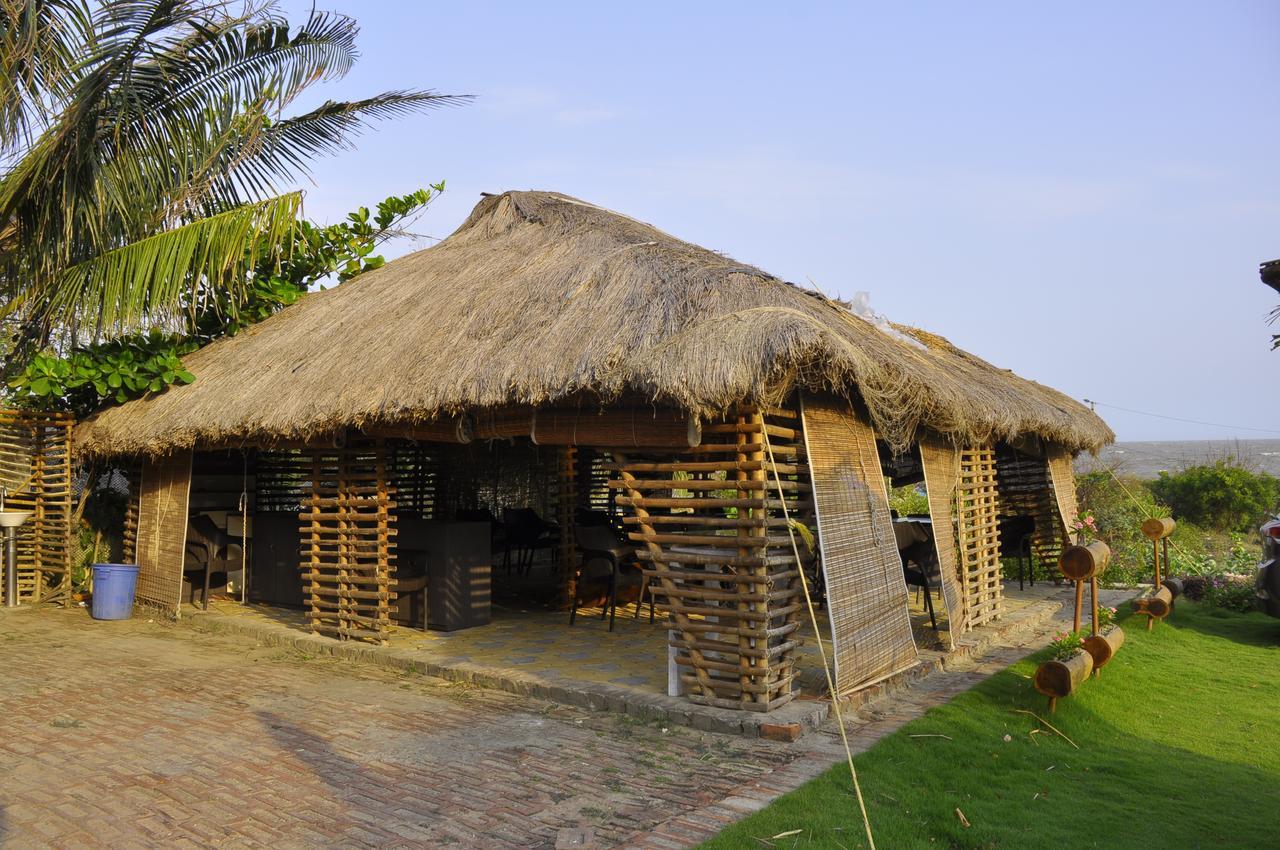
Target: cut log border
{"x": 1104, "y": 646}
{"x": 1085, "y": 561}
{"x": 1056, "y": 679}
{"x": 1155, "y": 606}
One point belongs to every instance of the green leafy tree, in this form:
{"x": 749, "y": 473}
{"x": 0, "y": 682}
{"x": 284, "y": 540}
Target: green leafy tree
{"x": 142, "y": 150}
{"x": 1223, "y": 495}
{"x": 133, "y": 365}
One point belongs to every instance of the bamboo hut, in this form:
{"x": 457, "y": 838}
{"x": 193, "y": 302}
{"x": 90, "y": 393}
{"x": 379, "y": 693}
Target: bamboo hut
{"x": 572, "y": 356}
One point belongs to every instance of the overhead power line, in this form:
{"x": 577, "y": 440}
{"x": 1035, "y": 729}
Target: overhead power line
{"x": 1181, "y": 419}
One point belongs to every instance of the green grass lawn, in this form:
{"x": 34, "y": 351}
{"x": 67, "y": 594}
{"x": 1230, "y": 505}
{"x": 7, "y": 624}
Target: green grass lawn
{"x": 1179, "y": 747}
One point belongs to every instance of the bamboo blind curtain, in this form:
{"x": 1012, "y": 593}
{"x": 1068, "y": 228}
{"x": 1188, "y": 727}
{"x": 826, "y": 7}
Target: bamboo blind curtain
{"x": 1064, "y": 486}
{"x": 941, "y": 464}
{"x": 866, "y": 593}
{"x": 161, "y": 538}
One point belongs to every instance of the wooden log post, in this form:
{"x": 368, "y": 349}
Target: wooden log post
{"x": 679, "y": 618}
{"x": 1157, "y": 530}
{"x": 707, "y": 523}
{"x": 1075, "y": 622}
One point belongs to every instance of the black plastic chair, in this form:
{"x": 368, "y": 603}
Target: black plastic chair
{"x": 919, "y": 564}
{"x": 207, "y": 552}
{"x": 525, "y": 533}
{"x": 598, "y": 543}
{"x": 1016, "y": 534}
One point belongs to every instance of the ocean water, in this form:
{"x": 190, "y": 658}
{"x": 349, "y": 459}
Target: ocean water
{"x": 1146, "y": 460}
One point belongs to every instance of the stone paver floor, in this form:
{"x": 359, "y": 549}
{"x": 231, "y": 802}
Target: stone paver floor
{"x": 146, "y": 734}
{"x": 539, "y": 641}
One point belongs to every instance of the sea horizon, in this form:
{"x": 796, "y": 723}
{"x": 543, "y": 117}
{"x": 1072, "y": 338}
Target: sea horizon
{"x": 1147, "y": 458}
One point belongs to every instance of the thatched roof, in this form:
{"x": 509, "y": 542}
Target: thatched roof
{"x": 539, "y": 298}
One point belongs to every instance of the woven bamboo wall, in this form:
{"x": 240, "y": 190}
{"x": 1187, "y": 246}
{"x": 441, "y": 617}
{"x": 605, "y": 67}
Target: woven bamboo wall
{"x": 347, "y": 558}
{"x": 414, "y": 471}
{"x": 593, "y": 481}
{"x": 941, "y": 479}
{"x": 1026, "y": 490}
{"x": 35, "y": 466}
{"x": 710, "y": 529}
{"x": 866, "y": 593}
{"x": 161, "y": 540}
{"x": 1064, "y": 485}
{"x": 978, "y": 536}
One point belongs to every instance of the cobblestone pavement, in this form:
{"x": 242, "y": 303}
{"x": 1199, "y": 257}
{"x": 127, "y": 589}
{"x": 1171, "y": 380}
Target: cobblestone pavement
{"x": 146, "y": 734}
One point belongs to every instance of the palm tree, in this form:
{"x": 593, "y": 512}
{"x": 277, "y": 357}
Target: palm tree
{"x": 142, "y": 150}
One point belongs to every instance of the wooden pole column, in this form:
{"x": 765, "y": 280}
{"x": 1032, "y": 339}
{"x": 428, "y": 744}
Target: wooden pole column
{"x": 681, "y": 620}
{"x": 751, "y": 543}
{"x": 733, "y": 598}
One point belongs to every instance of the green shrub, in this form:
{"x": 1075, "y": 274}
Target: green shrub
{"x": 1119, "y": 507}
{"x": 1224, "y": 495}
{"x": 909, "y": 500}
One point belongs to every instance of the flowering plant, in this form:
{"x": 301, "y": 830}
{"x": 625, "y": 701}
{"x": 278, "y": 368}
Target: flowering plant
{"x": 1106, "y": 616}
{"x": 1230, "y": 591}
{"x": 1066, "y": 644}
{"x": 1084, "y": 525}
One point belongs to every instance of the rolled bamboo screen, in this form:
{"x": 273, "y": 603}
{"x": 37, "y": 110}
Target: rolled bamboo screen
{"x": 978, "y": 536}
{"x": 1064, "y": 485}
{"x": 867, "y": 600}
{"x": 941, "y": 478}
{"x": 709, "y": 529}
{"x": 622, "y": 427}
{"x": 347, "y": 557}
{"x": 35, "y": 467}
{"x": 164, "y": 490}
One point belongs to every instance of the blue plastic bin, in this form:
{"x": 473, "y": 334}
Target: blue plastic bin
{"x": 113, "y": 587}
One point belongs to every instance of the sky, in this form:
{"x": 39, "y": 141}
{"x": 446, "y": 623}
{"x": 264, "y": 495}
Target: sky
{"x": 1081, "y": 193}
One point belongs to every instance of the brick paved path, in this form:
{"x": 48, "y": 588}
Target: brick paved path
{"x": 144, "y": 734}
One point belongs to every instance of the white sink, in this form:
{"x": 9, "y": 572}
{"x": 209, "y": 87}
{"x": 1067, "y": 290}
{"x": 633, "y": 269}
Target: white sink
{"x": 9, "y": 519}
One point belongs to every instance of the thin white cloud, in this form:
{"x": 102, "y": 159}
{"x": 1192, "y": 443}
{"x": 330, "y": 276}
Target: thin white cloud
{"x": 527, "y": 102}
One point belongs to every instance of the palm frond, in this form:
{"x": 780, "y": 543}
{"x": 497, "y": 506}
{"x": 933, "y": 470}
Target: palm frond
{"x": 40, "y": 42}
{"x": 156, "y": 278}
{"x": 283, "y": 148}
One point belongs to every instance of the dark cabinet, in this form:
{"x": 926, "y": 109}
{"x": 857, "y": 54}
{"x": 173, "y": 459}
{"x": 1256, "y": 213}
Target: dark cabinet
{"x": 457, "y": 560}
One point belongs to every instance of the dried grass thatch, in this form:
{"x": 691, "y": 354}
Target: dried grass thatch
{"x": 539, "y": 298}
